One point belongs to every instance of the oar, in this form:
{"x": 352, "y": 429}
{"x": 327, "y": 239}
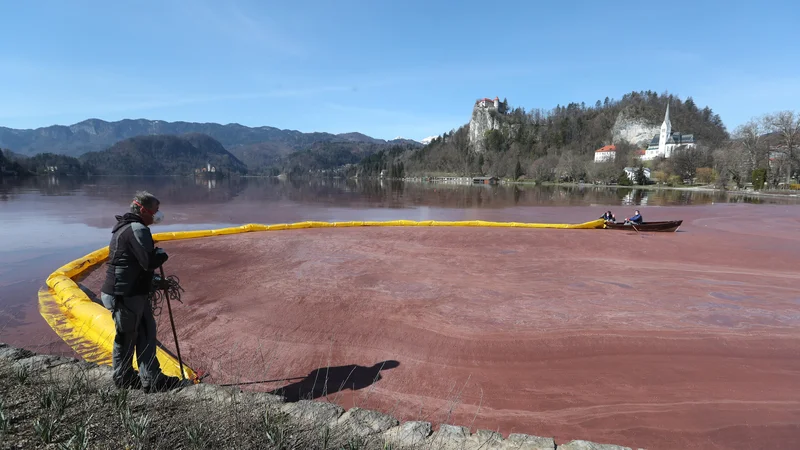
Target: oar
{"x": 637, "y": 231}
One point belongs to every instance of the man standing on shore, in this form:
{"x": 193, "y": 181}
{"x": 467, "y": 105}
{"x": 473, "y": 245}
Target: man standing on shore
{"x": 132, "y": 259}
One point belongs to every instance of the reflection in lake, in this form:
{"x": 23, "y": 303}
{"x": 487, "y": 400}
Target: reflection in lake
{"x": 356, "y": 193}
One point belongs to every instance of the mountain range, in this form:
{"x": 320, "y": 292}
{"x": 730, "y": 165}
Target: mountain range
{"x": 254, "y": 146}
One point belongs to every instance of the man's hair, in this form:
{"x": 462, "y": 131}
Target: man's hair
{"x": 145, "y": 199}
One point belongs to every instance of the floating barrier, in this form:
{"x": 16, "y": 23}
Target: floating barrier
{"x": 88, "y": 328}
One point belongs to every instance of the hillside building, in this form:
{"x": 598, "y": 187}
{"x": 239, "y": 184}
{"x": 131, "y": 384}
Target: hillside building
{"x": 488, "y": 103}
{"x": 665, "y": 142}
{"x": 605, "y": 153}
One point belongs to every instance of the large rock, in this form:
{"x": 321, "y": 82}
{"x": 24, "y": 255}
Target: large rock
{"x": 311, "y": 412}
{"x": 586, "y": 445}
{"x": 633, "y": 130}
{"x": 208, "y": 392}
{"x": 12, "y": 353}
{"x": 527, "y": 442}
{"x": 485, "y": 439}
{"x": 482, "y": 121}
{"x": 408, "y": 434}
{"x": 364, "y": 422}
{"x": 94, "y": 375}
{"x": 38, "y": 363}
{"x": 448, "y": 437}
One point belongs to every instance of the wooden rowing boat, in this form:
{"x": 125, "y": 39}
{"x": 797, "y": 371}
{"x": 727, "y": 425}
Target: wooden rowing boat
{"x": 666, "y": 226}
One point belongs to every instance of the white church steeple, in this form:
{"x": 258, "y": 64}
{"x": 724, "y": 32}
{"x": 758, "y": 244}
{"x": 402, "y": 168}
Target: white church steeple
{"x": 666, "y": 133}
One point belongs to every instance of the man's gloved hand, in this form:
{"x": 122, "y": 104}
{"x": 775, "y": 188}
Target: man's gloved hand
{"x": 161, "y": 255}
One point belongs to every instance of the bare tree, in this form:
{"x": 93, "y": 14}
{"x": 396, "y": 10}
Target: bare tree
{"x": 686, "y": 160}
{"x": 543, "y": 169}
{"x": 571, "y": 165}
{"x": 787, "y": 125}
{"x": 733, "y": 164}
{"x": 749, "y": 136}
{"x": 779, "y": 168}
{"x": 603, "y": 172}
{"x": 625, "y": 156}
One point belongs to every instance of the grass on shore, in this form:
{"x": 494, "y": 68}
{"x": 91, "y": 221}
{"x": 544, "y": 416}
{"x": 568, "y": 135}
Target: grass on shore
{"x": 38, "y": 410}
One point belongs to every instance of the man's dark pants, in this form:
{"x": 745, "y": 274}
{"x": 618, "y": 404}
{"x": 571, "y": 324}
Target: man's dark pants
{"x": 135, "y": 329}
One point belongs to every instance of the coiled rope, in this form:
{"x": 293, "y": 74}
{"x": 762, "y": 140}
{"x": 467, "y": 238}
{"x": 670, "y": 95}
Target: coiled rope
{"x": 161, "y": 288}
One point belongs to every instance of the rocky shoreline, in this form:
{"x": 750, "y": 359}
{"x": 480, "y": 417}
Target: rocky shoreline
{"x": 67, "y": 401}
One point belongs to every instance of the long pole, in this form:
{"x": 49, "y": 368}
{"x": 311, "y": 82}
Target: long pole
{"x": 172, "y": 322}
{"x": 260, "y": 382}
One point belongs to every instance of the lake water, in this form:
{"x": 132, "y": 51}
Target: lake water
{"x": 579, "y": 342}
{"x": 47, "y": 222}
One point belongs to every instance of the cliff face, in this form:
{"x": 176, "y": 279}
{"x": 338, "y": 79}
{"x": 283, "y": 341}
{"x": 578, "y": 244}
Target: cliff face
{"x": 481, "y": 122}
{"x": 635, "y": 130}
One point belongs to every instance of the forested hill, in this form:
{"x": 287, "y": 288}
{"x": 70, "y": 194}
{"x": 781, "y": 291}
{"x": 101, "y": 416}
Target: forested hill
{"x": 162, "y": 155}
{"x": 571, "y": 132}
{"x": 9, "y": 166}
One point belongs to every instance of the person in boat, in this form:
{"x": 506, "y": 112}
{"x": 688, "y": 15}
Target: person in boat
{"x": 608, "y": 217}
{"x": 636, "y": 219}
{"x": 132, "y": 259}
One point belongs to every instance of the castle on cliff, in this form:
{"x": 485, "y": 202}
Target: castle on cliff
{"x": 488, "y": 103}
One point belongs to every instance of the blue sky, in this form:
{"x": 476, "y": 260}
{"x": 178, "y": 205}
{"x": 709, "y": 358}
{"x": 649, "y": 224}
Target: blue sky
{"x": 384, "y": 68}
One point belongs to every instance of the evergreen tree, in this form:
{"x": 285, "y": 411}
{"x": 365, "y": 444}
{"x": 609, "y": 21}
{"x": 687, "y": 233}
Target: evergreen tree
{"x": 641, "y": 178}
{"x": 759, "y": 178}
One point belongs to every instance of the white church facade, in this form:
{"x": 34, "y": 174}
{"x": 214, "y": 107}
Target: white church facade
{"x": 665, "y": 142}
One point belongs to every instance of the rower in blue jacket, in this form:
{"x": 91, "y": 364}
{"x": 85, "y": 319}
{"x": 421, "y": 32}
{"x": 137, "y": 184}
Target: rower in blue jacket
{"x": 636, "y": 219}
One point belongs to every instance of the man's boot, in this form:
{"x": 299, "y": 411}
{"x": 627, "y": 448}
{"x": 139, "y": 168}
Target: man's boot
{"x": 130, "y": 381}
{"x": 165, "y": 383}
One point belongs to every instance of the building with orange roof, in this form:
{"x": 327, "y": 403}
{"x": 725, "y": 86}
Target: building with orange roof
{"x": 605, "y": 153}
{"x": 488, "y": 103}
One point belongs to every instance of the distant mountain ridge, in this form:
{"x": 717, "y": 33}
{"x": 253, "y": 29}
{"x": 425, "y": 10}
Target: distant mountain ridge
{"x": 95, "y": 135}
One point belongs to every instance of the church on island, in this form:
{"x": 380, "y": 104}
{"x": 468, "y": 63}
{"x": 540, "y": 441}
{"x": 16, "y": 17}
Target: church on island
{"x": 661, "y": 145}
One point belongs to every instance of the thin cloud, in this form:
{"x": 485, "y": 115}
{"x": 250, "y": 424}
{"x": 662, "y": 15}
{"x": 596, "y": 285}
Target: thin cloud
{"x": 95, "y": 91}
{"x": 368, "y": 111}
{"x": 245, "y": 27}
{"x": 422, "y": 74}
{"x": 153, "y": 102}
{"x": 739, "y": 97}
{"x": 394, "y": 122}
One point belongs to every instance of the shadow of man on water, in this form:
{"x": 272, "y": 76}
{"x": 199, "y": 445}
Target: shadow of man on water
{"x": 328, "y": 380}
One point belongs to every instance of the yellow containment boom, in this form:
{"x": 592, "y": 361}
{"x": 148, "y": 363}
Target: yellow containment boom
{"x": 89, "y": 329}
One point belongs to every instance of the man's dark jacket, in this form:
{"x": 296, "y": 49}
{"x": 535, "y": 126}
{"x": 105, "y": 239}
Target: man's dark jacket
{"x": 132, "y": 258}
